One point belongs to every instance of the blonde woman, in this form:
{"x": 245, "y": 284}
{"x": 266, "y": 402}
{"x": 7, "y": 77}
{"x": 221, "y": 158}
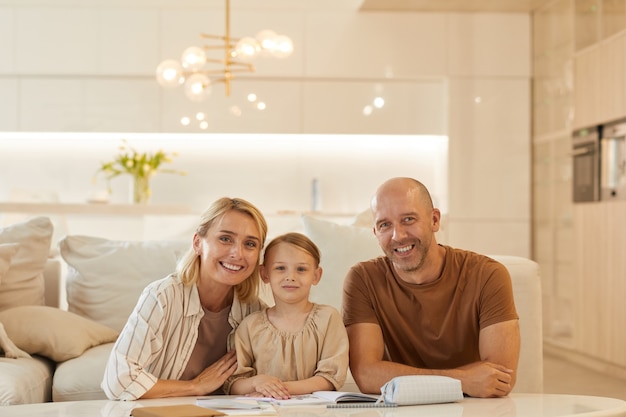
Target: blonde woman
{"x": 178, "y": 340}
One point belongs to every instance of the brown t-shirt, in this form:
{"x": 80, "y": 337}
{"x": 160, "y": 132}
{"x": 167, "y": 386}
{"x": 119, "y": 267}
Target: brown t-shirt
{"x": 434, "y": 325}
{"x": 213, "y": 330}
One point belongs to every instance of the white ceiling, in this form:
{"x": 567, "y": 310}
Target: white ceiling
{"x": 510, "y": 6}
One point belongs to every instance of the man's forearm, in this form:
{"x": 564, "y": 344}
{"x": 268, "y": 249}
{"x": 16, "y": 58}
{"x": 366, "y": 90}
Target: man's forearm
{"x": 371, "y": 377}
{"x": 478, "y": 379}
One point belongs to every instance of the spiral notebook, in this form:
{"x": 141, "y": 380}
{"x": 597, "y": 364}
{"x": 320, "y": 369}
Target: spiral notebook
{"x": 361, "y": 405}
{"x": 421, "y": 389}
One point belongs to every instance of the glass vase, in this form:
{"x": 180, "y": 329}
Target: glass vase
{"x": 141, "y": 190}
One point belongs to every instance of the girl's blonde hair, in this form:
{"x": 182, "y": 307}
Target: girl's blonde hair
{"x": 188, "y": 268}
{"x": 299, "y": 240}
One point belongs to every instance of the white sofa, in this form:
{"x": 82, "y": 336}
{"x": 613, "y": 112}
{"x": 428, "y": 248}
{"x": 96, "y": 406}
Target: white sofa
{"x": 104, "y": 279}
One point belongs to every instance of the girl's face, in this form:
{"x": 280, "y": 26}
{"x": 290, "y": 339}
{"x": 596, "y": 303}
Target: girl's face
{"x": 290, "y": 271}
{"x": 230, "y": 251}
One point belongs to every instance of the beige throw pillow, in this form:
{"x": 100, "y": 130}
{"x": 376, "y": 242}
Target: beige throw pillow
{"x": 7, "y": 250}
{"x": 23, "y": 283}
{"x": 53, "y": 333}
{"x": 341, "y": 246}
{"x": 105, "y": 277}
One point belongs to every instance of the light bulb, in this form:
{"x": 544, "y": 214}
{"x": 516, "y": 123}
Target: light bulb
{"x": 379, "y": 102}
{"x": 283, "y": 46}
{"x": 193, "y": 58}
{"x": 197, "y": 87}
{"x": 247, "y": 48}
{"x": 169, "y": 73}
{"x": 267, "y": 40}
{"x": 235, "y": 111}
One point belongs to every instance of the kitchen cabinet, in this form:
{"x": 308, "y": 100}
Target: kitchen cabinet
{"x": 587, "y": 22}
{"x": 613, "y": 17}
{"x": 600, "y": 83}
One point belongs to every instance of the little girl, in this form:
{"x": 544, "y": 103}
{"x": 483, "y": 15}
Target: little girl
{"x": 296, "y": 346}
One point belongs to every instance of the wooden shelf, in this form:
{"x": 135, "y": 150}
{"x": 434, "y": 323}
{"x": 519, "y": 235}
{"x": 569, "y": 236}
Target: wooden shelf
{"x": 107, "y": 209}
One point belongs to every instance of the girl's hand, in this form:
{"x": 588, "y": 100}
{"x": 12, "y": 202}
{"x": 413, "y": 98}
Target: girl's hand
{"x": 270, "y": 386}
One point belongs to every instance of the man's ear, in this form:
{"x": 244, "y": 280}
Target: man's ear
{"x": 436, "y": 219}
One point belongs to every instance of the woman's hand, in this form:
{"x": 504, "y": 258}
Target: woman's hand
{"x": 270, "y": 386}
{"x": 215, "y": 375}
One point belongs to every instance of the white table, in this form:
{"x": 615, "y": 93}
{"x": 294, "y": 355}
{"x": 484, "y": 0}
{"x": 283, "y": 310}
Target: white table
{"x": 515, "y": 405}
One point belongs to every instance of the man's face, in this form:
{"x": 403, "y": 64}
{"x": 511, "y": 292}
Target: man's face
{"x": 404, "y": 226}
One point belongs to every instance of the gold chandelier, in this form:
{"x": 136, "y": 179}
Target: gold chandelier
{"x": 198, "y": 71}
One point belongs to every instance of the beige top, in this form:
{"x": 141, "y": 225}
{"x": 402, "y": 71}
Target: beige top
{"x": 319, "y": 348}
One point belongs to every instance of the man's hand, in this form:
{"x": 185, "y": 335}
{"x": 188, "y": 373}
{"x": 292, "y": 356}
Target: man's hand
{"x": 485, "y": 379}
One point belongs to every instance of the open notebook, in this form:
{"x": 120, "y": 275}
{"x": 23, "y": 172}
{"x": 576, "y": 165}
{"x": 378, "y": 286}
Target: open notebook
{"x": 326, "y": 397}
{"x": 402, "y": 390}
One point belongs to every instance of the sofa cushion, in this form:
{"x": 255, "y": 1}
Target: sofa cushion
{"x": 25, "y": 380}
{"x": 341, "y": 247}
{"x": 79, "y": 379}
{"x": 7, "y": 250}
{"x": 23, "y": 283}
{"x": 53, "y": 333}
{"x": 106, "y": 277}
{"x": 364, "y": 219}
{"x": 526, "y": 282}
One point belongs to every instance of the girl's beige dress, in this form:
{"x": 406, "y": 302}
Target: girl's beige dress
{"x": 319, "y": 348}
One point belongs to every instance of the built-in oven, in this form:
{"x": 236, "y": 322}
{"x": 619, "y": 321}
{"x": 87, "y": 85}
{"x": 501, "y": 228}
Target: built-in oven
{"x": 586, "y": 164}
{"x": 613, "y": 161}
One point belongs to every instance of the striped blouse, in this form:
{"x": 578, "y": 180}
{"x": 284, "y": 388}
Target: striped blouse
{"x": 159, "y": 336}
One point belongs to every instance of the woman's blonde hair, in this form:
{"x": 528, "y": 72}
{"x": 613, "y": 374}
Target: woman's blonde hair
{"x": 188, "y": 268}
{"x": 299, "y": 240}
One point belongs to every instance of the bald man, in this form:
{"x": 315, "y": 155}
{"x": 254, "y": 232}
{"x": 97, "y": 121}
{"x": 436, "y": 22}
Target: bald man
{"x": 425, "y": 308}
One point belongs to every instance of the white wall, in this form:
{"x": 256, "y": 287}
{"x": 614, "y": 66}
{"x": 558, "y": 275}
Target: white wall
{"x": 88, "y": 67}
{"x": 275, "y": 172}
